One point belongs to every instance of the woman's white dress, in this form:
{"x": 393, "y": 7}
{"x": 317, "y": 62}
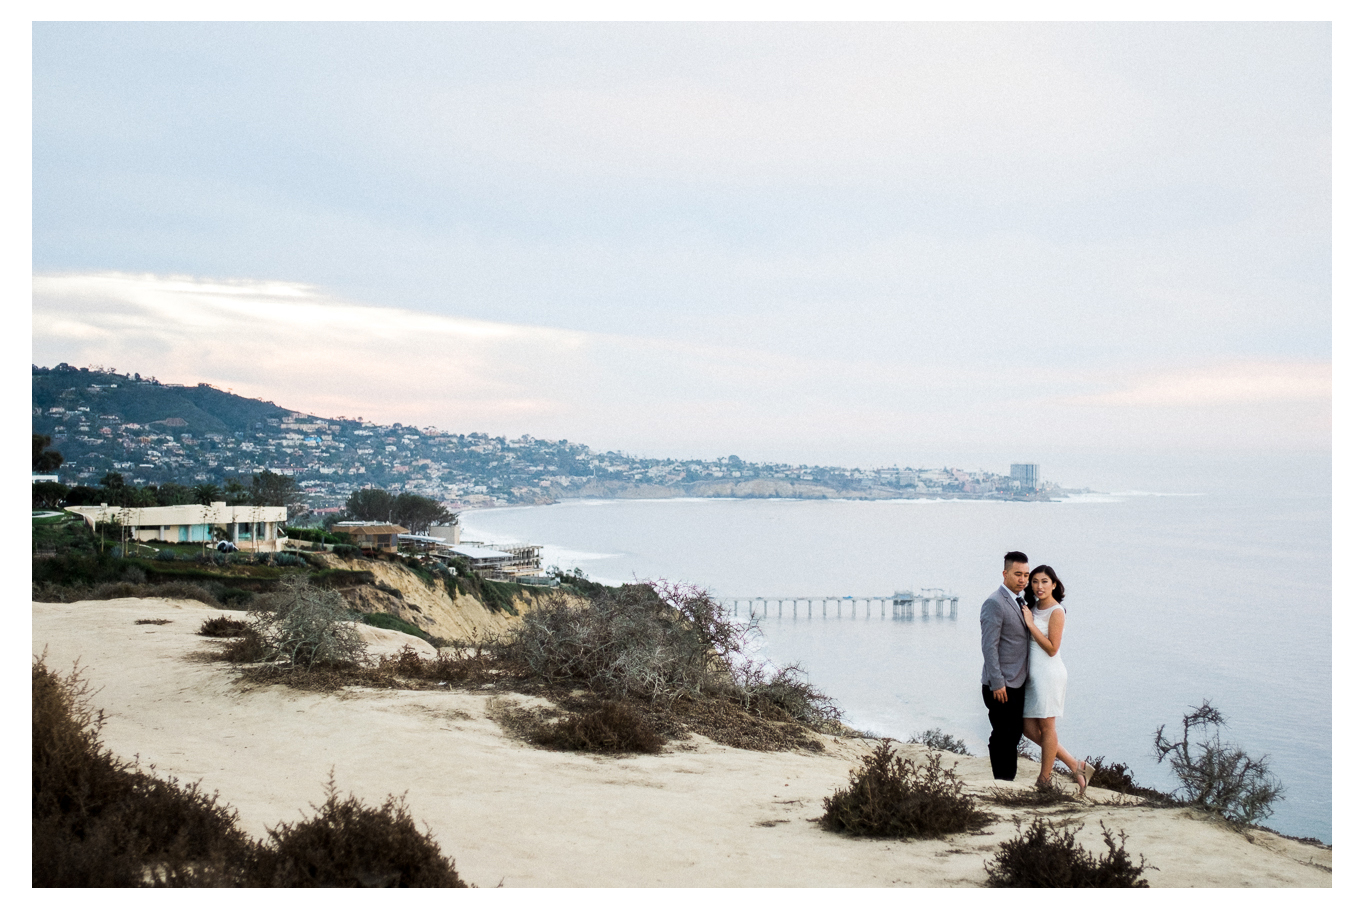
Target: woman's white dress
{"x": 1045, "y": 691}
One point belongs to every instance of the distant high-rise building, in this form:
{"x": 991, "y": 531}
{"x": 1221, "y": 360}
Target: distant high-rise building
{"x": 1026, "y": 474}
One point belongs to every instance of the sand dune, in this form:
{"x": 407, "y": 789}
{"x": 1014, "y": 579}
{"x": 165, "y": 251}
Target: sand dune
{"x": 699, "y": 815}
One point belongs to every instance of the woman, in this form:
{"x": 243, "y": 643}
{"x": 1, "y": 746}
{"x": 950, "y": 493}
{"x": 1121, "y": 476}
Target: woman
{"x": 1045, "y": 691}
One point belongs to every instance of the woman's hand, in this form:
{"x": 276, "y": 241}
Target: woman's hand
{"x": 1028, "y": 616}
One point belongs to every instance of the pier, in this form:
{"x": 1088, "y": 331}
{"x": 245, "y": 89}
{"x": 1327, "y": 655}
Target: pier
{"x": 902, "y": 605}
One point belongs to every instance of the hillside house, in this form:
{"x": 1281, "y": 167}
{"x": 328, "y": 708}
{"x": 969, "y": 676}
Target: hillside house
{"x": 382, "y": 538}
{"x": 254, "y": 528}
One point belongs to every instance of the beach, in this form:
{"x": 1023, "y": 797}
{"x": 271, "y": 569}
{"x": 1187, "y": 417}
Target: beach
{"x": 698, "y": 815}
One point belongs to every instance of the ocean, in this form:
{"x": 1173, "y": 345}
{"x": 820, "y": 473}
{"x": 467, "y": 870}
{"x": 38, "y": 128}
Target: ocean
{"x": 1174, "y": 596}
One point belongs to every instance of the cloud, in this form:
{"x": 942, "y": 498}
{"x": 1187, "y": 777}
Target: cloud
{"x": 303, "y": 348}
{"x": 1237, "y": 383}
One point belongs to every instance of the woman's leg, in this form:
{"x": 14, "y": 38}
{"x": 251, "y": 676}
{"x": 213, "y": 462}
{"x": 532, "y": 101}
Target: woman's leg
{"x": 1048, "y": 742}
{"x": 1032, "y": 731}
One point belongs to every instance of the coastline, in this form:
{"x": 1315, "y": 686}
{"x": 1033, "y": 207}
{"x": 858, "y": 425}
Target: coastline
{"x": 700, "y": 814}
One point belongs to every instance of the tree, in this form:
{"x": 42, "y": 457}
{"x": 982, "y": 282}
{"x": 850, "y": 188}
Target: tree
{"x": 370, "y": 504}
{"x": 236, "y": 494}
{"x": 174, "y": 494}
{"x": 271, "y": 489}
{"x": 48, "y": 494}
{"x": 418, "y": 513}
{"x": 45, "y": 460}
{"x": 207, "y": 494}
{"x": 116, "y": 492}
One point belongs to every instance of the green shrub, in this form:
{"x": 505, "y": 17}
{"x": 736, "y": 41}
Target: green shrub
{"x": 393, "y": 623}
{"x": 165, "y": 555}
{"x": 1047, "y": 856}
{"x": 347, "y": 551}
{"x": 1215, "y": 775}
{"x": 891, "y": 796}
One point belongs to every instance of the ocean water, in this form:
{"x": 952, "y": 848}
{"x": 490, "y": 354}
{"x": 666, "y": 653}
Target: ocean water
{"x": 1173, "y": 598}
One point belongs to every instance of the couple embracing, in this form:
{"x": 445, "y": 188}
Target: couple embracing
{"x": 1024, "y": 680}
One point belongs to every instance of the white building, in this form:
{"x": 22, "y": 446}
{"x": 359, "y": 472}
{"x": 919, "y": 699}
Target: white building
{"x": 249, "y": 527}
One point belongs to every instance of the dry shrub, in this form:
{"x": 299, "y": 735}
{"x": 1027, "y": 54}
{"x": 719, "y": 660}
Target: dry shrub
{"x": 785, "y": 694}
{"x": 1032, "y": 797}
{"x": 1218, "y": 776}
{"x": 222, "y": 627}
{"x": 350, "y": 845}
{"x": 247, "y": 648}
{"x": 664, "y": 643}
{"x": 944, "y": 742}
{"x": 1047, "y": 856}
{"x": 615, "y": 727}
{"x": 891, "y": 796}
{"x": 151, "y": 622}
{"x": 1118, "y": 777}
{"x": 99, "y": 821}
{"x": 305, "y": 626}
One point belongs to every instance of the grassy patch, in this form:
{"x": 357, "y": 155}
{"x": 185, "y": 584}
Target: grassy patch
{"x": 394, "y": 624}
{"x": 151, "y": 622}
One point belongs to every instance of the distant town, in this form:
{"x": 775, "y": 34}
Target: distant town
{"x": 154, "y": 433}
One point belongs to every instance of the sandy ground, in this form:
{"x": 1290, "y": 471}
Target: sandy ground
{"x": 699, "y": 815}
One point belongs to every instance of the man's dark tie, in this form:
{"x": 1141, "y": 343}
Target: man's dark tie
{"x": 1019, "y": 600}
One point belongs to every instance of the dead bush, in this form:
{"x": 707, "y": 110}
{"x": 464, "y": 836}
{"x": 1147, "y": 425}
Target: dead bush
{"x": 785, "y": 694}
{"x": 305, "y": 626}
{"x": 944, "y": 742}
{"x": 1218, "y": 776}
{"x": 615, "y": 727}
{"x": 350, "y": 845}
{"x": 1047, "y": 856}
{"x": 1118, "y": 777}
{"x": 151, "y": 622}
{"x": 891, "y": 796}
{"x": 1030, "y": 797}
{"x": 222, "y": 627}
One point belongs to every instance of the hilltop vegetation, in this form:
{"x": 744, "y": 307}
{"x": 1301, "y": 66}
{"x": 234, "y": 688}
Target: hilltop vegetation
{"x": 155, "y": 433}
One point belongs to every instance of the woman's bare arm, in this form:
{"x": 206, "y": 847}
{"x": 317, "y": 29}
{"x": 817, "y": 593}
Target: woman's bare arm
{"x": 1050, "y": 641}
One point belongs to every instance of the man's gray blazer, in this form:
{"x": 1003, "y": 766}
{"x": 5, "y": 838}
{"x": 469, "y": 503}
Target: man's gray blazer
{"x": 1004, "y": 642}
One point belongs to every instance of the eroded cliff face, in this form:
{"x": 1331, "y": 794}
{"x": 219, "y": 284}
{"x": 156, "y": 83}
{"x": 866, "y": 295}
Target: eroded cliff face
{"x": 428, "y": 607}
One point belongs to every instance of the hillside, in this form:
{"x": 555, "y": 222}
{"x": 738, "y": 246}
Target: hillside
{"x": 153, "y": 433}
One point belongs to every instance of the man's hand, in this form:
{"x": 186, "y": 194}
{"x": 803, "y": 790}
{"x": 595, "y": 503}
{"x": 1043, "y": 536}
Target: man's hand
{"x": 1001, "y": 695}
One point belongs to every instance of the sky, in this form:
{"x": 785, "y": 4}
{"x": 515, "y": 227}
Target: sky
{"x": 825, "y": 243}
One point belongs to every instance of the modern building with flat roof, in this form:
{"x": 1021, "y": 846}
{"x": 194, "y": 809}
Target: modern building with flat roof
{"x": 249, "y": 527}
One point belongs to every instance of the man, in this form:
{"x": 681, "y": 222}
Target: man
{"x": 1005, "y": 646}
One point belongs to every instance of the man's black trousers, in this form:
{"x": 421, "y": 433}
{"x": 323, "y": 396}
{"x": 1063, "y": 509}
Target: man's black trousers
{"x": 1007, "y": 726}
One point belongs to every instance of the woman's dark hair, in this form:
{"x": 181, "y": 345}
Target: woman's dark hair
{"x": 1058, "y": 593}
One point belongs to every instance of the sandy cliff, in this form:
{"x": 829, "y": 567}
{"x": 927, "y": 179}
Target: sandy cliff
{"x": 700, "y": 814}
{"x": 428, "y": 607}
